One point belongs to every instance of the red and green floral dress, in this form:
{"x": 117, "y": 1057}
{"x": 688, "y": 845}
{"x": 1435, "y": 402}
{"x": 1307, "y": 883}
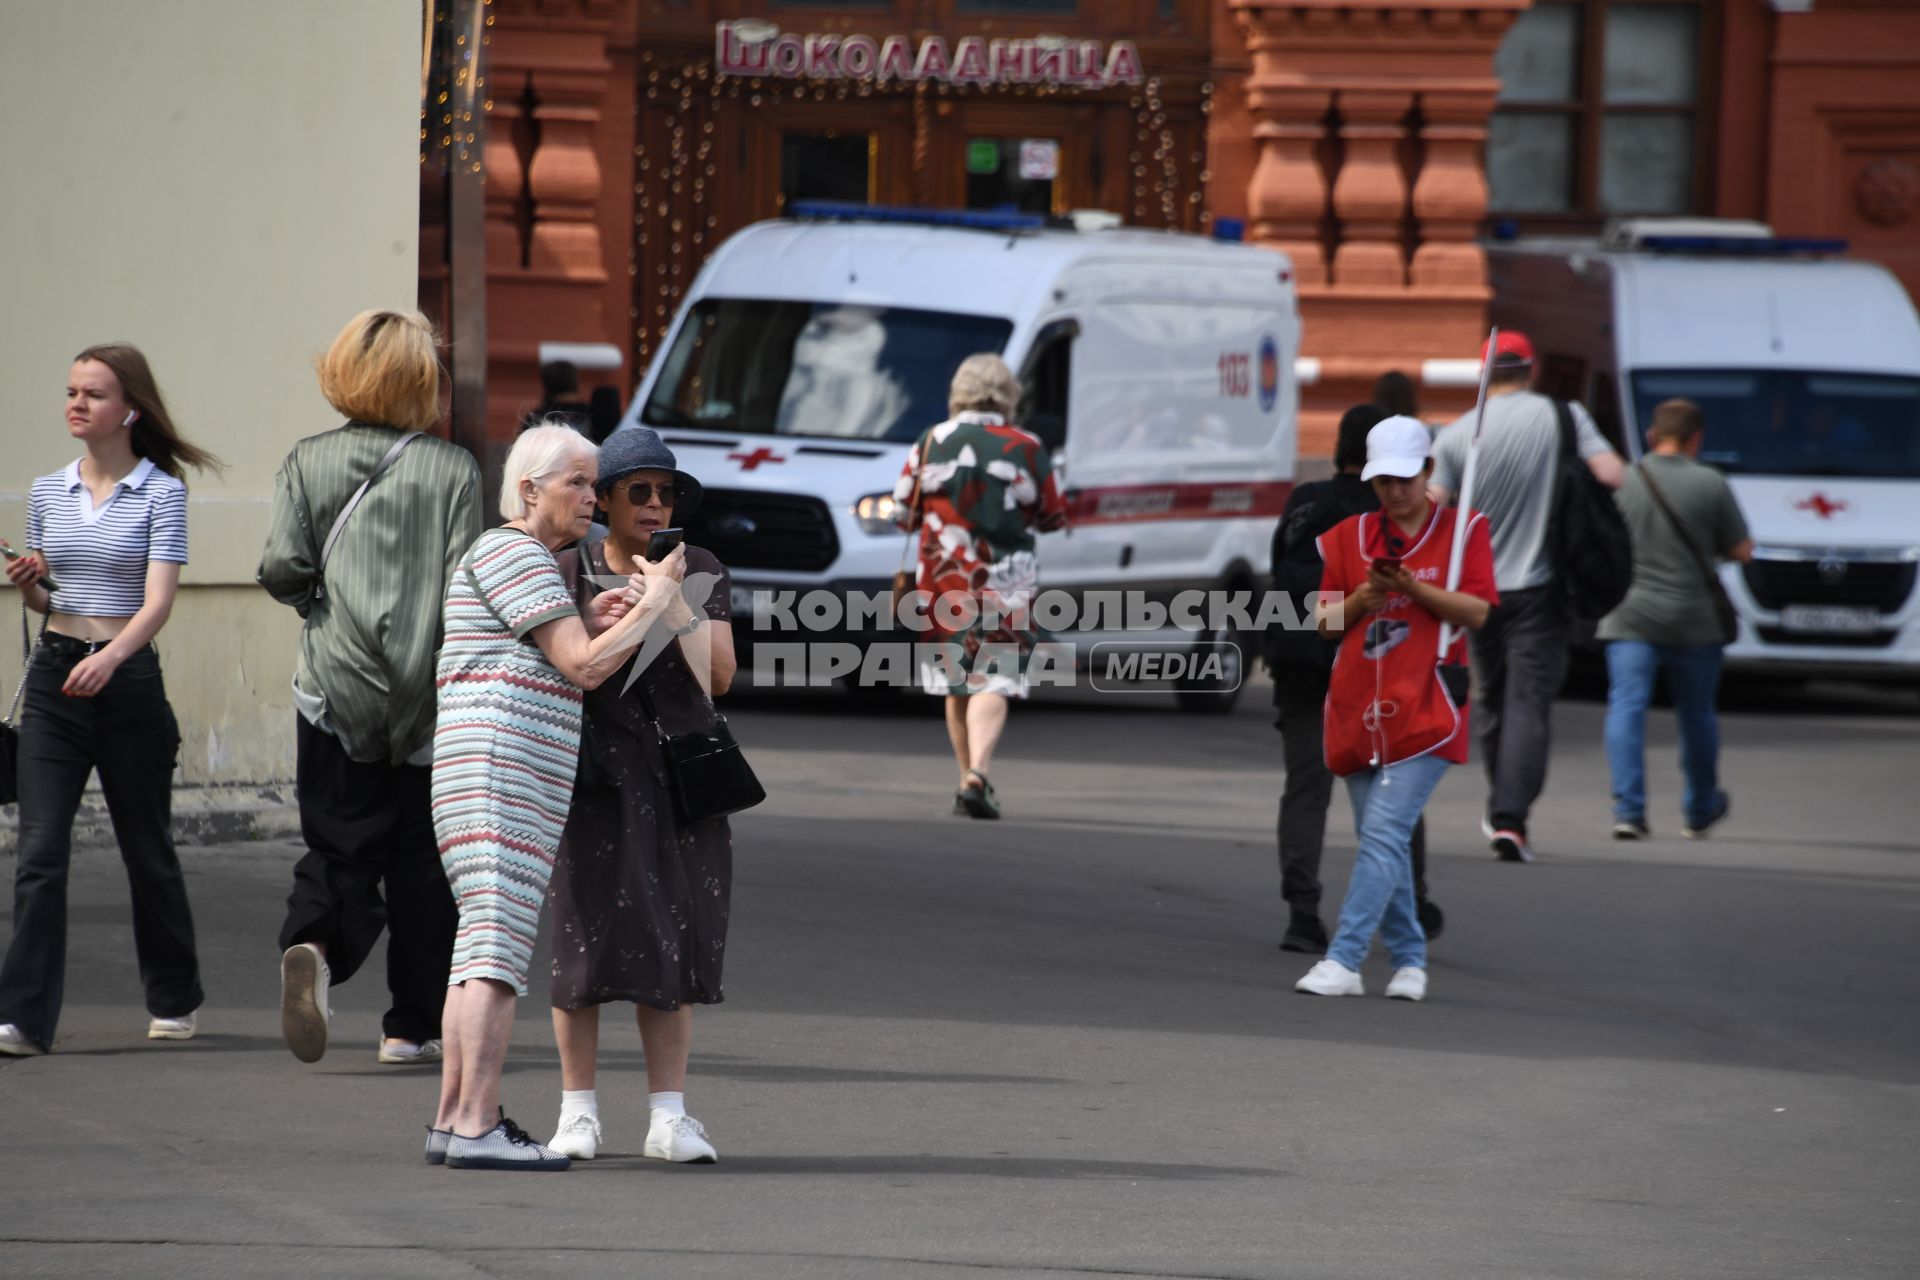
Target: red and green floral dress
{"x": 985, "y": 487}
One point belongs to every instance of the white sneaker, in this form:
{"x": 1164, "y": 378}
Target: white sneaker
{"x": 171, "y": 1028}
{"x": 304, "y": 1016}
{"x": 578, "y": 1136}
{"x": 15, "y": 1043}
{"x": 403, "y": 1053}
{"x": 1330, "y": 978}
{"x": 679, "y": 1138}
{"x": 1407, "y": 983}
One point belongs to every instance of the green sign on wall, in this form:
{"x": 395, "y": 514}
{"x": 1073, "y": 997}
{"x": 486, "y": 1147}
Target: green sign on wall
{"x": 983, "y": 155}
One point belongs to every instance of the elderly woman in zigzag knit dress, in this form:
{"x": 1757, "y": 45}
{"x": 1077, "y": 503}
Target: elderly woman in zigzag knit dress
{"x": 516, "y": 657}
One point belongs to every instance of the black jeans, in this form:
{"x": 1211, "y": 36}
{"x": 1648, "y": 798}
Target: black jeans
{"x": 369, "y": 825}
{"x": 127, "y": 732}
{"x": 1520, "y": 662}
{"x": 1298, "y": 704}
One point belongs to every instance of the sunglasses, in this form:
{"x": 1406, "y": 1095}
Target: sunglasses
{"x": 640, "y": 492}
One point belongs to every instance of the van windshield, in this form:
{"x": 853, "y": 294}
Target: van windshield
{"x": 1782, "y": 423}
{"x": 816, "y": 368}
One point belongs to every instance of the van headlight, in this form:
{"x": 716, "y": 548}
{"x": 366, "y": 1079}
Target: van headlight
{"x": 876, "y": 513}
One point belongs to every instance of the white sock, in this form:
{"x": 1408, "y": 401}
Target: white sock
{"x": 579, "y": 1102}
{"x": 673, "y": 1104}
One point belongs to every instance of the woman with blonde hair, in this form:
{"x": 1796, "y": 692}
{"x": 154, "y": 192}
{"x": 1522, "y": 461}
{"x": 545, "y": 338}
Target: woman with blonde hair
{"x": 369, "y": 520}
{"x": 106, "y": 536}
{"x": 507, "y": 741}
{"x": 976, "y": 487}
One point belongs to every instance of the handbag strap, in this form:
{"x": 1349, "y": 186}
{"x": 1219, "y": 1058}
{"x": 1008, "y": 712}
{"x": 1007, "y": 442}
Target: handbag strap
{"x": 27, "y": 652}
{"x": 1660, "y": 500}
{"x": 340, "y": 521}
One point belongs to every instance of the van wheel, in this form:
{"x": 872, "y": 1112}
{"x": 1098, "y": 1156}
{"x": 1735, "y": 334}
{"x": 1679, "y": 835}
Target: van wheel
{"x": 1217, "y": 696}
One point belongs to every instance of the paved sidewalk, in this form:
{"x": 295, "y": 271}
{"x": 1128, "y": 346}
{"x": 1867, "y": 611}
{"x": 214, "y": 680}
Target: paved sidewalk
{"x": 1065, "y": 1044}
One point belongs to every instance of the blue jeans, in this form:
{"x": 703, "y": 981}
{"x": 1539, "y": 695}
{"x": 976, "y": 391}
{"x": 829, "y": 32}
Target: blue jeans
{"x": 1693, "y": 674}
{"x": 1386, "y": 804}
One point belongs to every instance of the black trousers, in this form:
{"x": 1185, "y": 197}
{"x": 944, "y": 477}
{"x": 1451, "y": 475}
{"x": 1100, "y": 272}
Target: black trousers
{"x": 1519, "y": 662}
{"x": 1298, "y": 703}
{"x": 369, "y": 827}
{"x": 127, "y": 732}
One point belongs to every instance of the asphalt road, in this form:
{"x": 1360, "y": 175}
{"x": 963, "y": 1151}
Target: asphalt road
{"x": 1066, "y": 1045}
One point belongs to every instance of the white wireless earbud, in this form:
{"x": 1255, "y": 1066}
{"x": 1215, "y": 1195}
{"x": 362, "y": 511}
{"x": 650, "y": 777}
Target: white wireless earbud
{"x": 128, "y": 421}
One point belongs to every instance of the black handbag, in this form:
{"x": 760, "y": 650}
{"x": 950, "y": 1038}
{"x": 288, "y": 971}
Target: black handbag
{"x": 706, "y": 771}
{"x": 9, "y": 730}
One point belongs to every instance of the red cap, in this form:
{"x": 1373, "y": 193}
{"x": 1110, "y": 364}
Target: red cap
{"x": 1512, "y": 347}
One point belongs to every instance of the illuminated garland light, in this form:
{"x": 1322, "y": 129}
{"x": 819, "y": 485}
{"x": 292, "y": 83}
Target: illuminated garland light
{"x": 672, "y": 183}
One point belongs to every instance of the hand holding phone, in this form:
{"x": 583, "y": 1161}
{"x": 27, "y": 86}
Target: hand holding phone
{"x": 46, "y": 581}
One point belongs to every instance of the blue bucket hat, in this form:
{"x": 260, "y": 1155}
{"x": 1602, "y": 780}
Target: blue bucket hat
{"x": 632, "y": 449}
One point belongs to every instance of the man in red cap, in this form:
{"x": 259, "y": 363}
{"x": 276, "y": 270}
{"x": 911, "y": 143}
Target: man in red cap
{"x": 1520, "y": 655}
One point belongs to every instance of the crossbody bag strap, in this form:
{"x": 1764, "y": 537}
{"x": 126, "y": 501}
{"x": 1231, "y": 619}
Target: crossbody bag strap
{"x": 340, "y": 521}
{"x": 1660, "y": 500}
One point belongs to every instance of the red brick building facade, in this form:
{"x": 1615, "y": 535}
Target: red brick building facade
{"x": 1376, "y": 141}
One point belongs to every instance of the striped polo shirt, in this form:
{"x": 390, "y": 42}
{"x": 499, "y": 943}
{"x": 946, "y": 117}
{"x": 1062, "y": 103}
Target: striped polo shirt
{"x": 98, "y": 556}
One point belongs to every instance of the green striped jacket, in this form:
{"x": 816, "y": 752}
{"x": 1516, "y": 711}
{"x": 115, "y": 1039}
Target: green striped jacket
{"x": 371, "y": 639}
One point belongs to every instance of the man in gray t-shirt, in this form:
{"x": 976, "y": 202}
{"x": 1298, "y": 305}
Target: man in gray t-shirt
{"x": 1520, "y": 655}
{"x": 1668, "y": 621}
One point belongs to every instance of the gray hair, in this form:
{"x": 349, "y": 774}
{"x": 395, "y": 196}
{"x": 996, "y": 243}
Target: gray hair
{"x": 540, "y": 451}
{"x": 984, "y": 382}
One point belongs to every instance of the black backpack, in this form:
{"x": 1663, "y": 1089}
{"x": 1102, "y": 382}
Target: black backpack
{"x": 1592, "y": 550}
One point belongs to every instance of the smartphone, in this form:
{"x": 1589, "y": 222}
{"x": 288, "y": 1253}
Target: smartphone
{"x": 1390, "y": 563}
{"x": 46, "y": 582}
{"x": 662, "y": 543}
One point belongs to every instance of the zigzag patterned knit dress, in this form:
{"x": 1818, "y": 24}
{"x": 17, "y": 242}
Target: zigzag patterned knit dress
{"x": 505, "y": 748}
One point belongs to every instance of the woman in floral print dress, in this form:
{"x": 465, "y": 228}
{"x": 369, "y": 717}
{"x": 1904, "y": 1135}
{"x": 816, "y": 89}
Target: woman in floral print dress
{"x": 977, "y": 487}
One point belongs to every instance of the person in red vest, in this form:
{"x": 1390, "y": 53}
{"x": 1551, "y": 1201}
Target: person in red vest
{"x": 1396, "y": 710}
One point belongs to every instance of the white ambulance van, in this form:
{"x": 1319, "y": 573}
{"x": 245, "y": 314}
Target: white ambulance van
{"x": 811, "y": 352}
{"x": 1807, "y": 367}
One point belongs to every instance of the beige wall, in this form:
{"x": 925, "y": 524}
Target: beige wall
{"x": 223, "y": 183}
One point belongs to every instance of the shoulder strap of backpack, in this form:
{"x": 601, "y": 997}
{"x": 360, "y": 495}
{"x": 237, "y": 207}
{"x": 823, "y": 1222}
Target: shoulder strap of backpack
{"x": 1569, "y": 441}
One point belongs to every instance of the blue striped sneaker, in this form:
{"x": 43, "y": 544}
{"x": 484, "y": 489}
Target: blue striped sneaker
{"x": 437, "y": 1144}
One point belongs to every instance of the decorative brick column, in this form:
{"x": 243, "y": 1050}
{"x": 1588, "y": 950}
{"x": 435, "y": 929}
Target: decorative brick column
{"x": 1451, "y": 194}
{"x": 1370, "y": 196}
{"x": 1379, "y": 217}
{"x": 564, "y": 177}
{"x": 547, "y": 262}
{"x": 1288, "y": 195}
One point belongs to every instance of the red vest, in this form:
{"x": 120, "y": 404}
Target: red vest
{"x": 1386, "y": 702}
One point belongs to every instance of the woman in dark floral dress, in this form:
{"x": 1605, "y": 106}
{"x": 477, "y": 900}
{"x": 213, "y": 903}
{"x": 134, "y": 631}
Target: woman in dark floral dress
{"x": 640, "y": 902}
{"x": 977, "y": 487}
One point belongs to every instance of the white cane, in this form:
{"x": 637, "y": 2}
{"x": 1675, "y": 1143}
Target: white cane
{"x": 1463, "y": 501}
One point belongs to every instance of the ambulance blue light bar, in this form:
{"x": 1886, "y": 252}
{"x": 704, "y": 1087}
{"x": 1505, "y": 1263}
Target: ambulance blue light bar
{"x": 1742, "y": 246}
{"x": 975, "y": 219}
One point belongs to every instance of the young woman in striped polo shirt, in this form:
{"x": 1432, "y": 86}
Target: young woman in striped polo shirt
{"x": 111, "y": 531}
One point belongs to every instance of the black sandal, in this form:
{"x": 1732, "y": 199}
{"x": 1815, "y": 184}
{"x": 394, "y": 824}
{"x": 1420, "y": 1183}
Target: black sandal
{"x": 977, "y": 797}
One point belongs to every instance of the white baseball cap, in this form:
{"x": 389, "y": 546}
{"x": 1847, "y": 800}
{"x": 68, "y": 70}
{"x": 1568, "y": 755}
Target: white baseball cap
{"x": 1397, "y": 446}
